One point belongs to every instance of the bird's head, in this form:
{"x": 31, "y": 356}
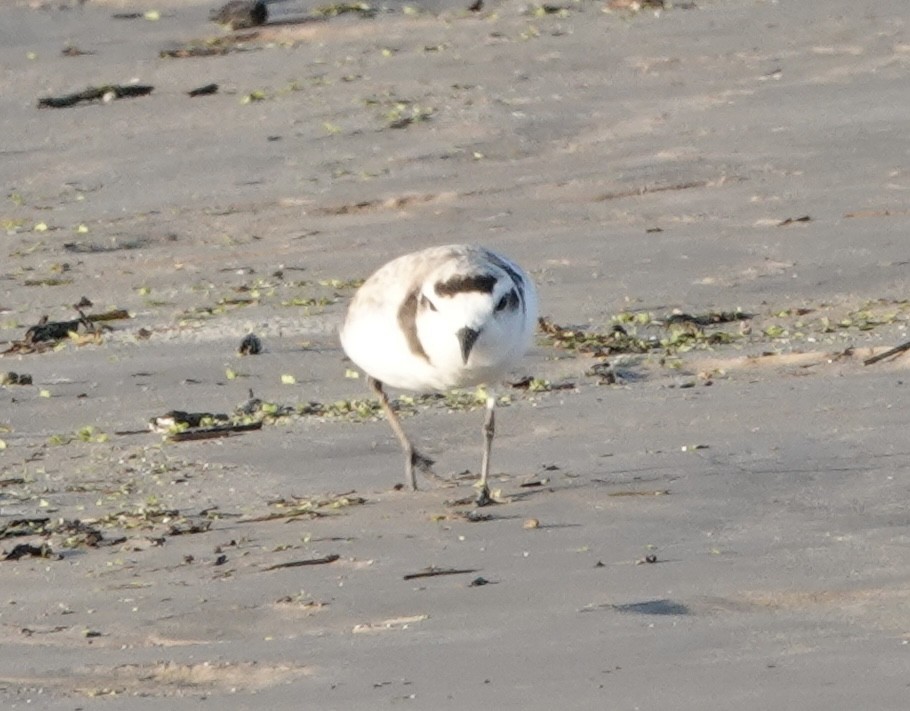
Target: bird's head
{"x": 474, "y": 320}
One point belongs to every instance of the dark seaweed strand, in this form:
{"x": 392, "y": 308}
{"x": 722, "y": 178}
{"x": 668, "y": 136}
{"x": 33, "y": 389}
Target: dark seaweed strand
{"x": 407, "y": 321}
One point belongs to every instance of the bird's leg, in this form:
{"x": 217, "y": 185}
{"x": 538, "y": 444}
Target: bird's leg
{"x": 412, "y": 458}
{"x": 489, "y": 429}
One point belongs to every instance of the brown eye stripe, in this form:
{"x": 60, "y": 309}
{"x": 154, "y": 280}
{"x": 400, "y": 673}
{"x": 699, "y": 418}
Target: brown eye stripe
{"x": 460, "y": 284}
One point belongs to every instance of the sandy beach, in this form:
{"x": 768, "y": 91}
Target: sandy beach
{"x": 702, "y": 489}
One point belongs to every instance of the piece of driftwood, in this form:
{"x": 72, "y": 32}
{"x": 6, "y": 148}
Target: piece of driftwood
{"x": 794, "y": 220}
{"x": 888, "y": 353}
{"x": 433, "y": 572}
{"x": 95, "y": 93}
{"x": 300, "y": 563}
{"x": 112, "y": 315}
{"x": 206, "y": 90}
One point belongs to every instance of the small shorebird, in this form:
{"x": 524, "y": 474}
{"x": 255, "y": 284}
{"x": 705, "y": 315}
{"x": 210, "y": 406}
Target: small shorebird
{"x": 441, "y": 318}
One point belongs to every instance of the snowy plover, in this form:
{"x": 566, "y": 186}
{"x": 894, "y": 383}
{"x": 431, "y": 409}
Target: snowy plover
{"x": 444, "y": 317}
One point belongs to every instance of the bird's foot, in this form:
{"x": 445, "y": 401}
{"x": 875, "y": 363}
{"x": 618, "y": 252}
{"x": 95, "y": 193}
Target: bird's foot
{"x": 484, "y": 498}
{"x": 422, "y": 462}
{"x": 425, "y": 465}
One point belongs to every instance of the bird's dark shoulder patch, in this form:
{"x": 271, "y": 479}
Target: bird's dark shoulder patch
{"x": 463, "y": 283}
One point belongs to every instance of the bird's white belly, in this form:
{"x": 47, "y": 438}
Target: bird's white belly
{"x": 390, "y": 361}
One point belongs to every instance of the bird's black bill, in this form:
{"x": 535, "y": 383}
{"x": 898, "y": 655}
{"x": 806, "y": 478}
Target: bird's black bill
{"x": 467, "y": 337}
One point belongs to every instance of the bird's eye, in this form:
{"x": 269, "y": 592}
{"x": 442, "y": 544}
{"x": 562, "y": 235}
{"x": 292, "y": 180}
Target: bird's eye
{"x": 504, "y": 301}
{"x": 426, "y": 303}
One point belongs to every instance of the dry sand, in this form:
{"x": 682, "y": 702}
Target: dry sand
{"x": 635, "y": 163}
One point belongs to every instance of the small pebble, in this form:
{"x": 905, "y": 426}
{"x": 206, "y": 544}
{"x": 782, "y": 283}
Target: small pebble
{"x": 531, "y": 523}
{"x": 250, "y": 345}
